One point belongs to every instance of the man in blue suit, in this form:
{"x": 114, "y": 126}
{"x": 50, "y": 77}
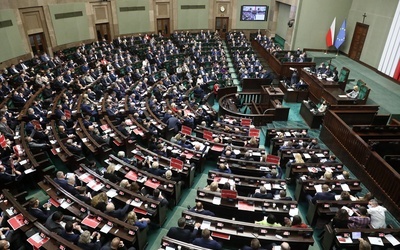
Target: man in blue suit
{"x": 324, "y": 195}
{"x": 181, "y": 233}
{"x": 207, "y": 241}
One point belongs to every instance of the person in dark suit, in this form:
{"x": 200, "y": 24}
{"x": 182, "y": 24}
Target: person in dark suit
{"x": 313, "y": 144}
{"x": 70, "y": 187}
{"x": 60, "y": 179}
{"x": 86, "y": 243}
{"x": 200, "y": 210}
{"x": 254, "y": 245}
{"x": 181, "y": 233}
{"x": 116, "y": 244}
{"x": 159, "y": 197}
{"x": 117, "y": 213}
{"x": 40, "y": 213}
{"x": 69, "y": 233}
{"x": 207, "y": 241}
{"x": 53, "y": 222}
{"x": 174, "y": 123}
{"x": 110, "y": 175}
{"x": 324, "y": 195}
{"x": 155, "y": 170}
{"x": 263, "y": 194}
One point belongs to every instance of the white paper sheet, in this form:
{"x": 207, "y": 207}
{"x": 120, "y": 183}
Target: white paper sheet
{"x": 375, "y": 241}
{"x": 205, "y": 225}
{"x": 105, "y": 229}
{"x": 216, "y": 200}
{"x": 392, "y": 239}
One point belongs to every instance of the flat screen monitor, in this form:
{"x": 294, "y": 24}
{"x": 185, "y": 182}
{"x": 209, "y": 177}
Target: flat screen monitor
{"x": 254, "y": 13}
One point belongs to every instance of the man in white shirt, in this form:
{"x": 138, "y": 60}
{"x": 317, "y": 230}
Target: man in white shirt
{"x": 377, "y": 212}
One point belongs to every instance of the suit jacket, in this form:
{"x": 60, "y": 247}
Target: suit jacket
{"x": 206, "y": 243}
{"x": 40, "y": 214}
{"x": 327, "y": 196}
{"x": 263, "y": 196}
{"x": 182, "y": 234}
{"x": 53, "y": 226}
{"x": 62, "y": 182}
{"x": 71, "y": 237}
{"x": 119, "y": 213}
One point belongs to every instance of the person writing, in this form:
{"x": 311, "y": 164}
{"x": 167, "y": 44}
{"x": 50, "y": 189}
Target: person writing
{"x": 354, "y": 93}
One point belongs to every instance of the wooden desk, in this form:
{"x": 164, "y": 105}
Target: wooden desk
{"x": 79, "y": 209}
{"x": 170, "y": 188}
{"x": 255, "y": 210}
{"x": 324, "y": 209}
{"x": 154, "y": 210}
{"x": 246, "y": 185}
{"x": 238, "y": 232}
{"x": 330, "y": 234}
{"x": 313, "y": 119}
{"x": 304, "y": 187}
{"x": 334, "y": 97}
{"x": 272, "y": 93}
{"x": 169, "y": 242}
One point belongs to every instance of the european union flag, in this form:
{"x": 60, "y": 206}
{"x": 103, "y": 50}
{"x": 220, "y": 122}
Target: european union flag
{"x": 341, "y": 36}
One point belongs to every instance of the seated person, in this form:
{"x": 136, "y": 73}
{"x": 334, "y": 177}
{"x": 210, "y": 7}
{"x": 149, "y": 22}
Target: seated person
{"x": 69, "y": 233}
{"x": 133, "y": 220}
{"x": 53, "y": 222}
{"x": 155, "y": 170}
{"x": 276, "y": 173}
{"x": 269, "y": 221}
{"x": 110, "y": 174}
{"x": 117, "y": 213}
{"x": 354, "y": 93}
{"x": 159, "y": 197}
{"x": 116, "y": 244}
{"x": 325, "y": 195}
{"x": 200, "y": 210}
{"x": 207, "y": 241}
{"x": 213, "y": 187}
{"x": 254, "y": 245}
{"x": 296, "y": 222}
{"x": 223, "y": 168}
{"x": 313, "y": 144}
{"x": 322, "y": 108}
{"x": 262, "y": 194}
{"x": 89, "y": 241}
{"x": 41, "y": 213}
{"x": 360, "y": 219}
{"x": 282, "y": 196}
{"x": 181, "y": 233}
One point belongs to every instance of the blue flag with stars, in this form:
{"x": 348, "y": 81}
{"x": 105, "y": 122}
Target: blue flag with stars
{"x": 341, "y": 36}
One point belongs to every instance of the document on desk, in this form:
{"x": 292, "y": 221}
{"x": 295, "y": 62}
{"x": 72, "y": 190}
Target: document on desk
{"x": 136, "y": 203}
{"x": 318, "y": 188}
{"x": 118, "y": 167}
{"x": 29, "y": 170}
{"x": 340, "y": 177}
{"x": 95, "y": 186}
{"x": 37, "y": 241}
{"x": 320, "y": 155}
{"x": 342, "y": 96}
{"x": 307, "y": 156}
{"x": 205, "y": 225}
{"x": 268, "y": 186}
{"x": 345, "y": 187}
{"x": 293, "y": 211}
{"x": 112, "y": 193}
{"x": 349, "y": 211}
{"x": 392, "y": 239}
{"x": 65, "y": 204}
{"x": 375, "y": 241}
{"x": 105, "y": 229}
{"x": 216, "y": 200}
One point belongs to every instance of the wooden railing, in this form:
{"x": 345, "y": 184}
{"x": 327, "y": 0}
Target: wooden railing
{"x": 378, "y": 176}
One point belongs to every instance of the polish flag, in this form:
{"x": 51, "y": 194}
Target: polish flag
{"x": 330, "y": 34}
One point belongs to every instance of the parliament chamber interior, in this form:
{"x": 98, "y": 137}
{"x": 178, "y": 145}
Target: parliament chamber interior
{"x": 186, "y": 124}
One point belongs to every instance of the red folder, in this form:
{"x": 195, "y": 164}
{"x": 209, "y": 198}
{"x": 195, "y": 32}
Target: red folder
{"x": 175, "y": 163}
{"x": 54, "y": 202}
{"x": 16, "y": 221}
{"x": 186, "y": 130}
{"x": 221, "y": 235}
{"x": 90, "y": 222}
{"x": 208, "y": 135}
{"x": 37, "y": 241}
{"x": 254, "y": 132}
{"x": 242, "y": 205}
{"x": 131, "y": 175}
{"x": 217, "y": 148}
{"x": 140, "y": 211}
{"x": 245, "y": 122}
{"x": 151, "y": 184}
